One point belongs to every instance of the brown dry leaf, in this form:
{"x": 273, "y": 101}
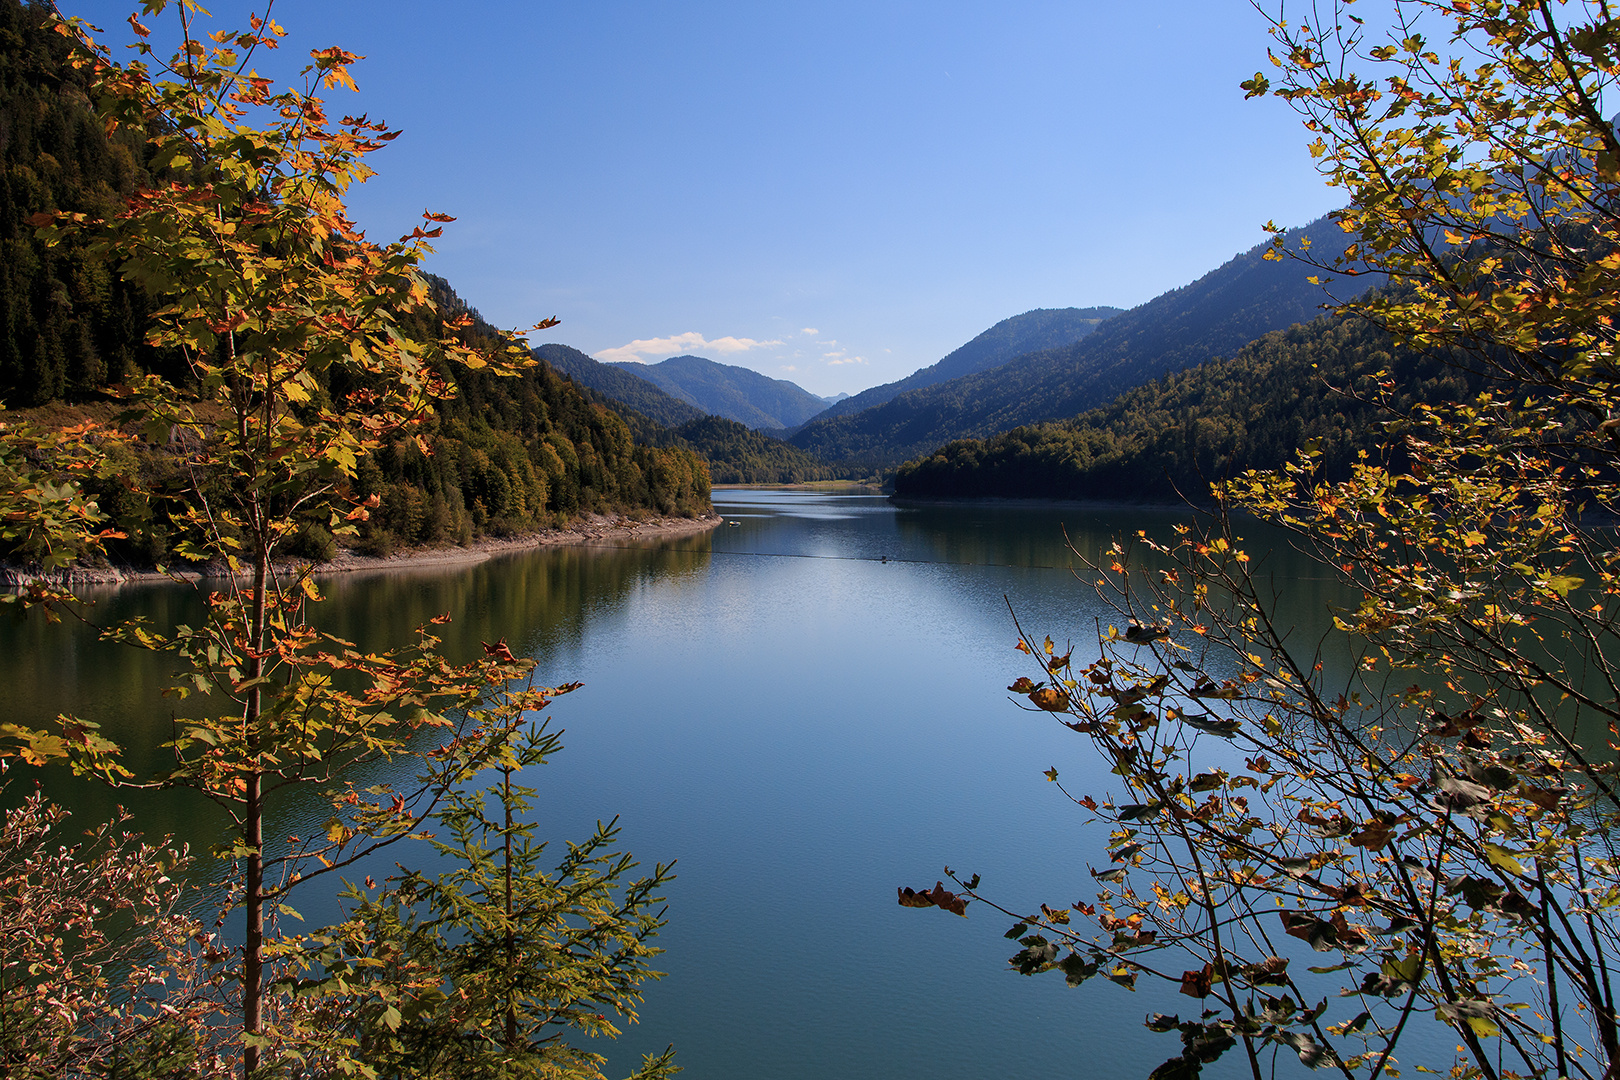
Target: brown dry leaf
{"x": 1050, "y": 699}
{"x": 1198, "y": 983}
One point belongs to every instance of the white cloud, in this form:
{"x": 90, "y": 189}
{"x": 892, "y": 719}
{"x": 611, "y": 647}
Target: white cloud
{"x": 836, "y": 358}
{"x": 689, "y": 342}
{"x": 790, "y": 367}
{"x": 810, "y": 330}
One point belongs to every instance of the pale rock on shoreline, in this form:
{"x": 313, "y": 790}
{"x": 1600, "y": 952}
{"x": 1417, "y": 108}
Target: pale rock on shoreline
{"x": 584, "y": 531}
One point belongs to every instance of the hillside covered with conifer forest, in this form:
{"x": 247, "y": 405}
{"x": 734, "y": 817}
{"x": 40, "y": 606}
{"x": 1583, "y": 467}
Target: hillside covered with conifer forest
{"x": 1166, "y": 441}
{"x": 507, "y": 455}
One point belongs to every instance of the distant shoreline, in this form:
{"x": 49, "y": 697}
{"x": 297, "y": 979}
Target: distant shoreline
{"x": 830, "y": 487}
{"x": 1078, "y": 504}
{"x": 582, "y": 532}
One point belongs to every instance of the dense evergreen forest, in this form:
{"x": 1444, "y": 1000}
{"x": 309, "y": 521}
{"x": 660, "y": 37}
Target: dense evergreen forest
{"x": 1167, "y": 440}
{"x": 738, "y": 454}
{"x": 69, "y": 325}
{"x": 508, "y": 455}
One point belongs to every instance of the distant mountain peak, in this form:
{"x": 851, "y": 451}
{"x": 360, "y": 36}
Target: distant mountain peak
{"x": 737, "y": 393}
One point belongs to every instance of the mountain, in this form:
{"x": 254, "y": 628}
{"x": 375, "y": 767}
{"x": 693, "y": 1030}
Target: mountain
{"x": 733, "y": 452}
{"x": 1166, "y": 441}
{"x": 733, "y": 392}
{"x": 1042, "y": 328}
{"x": 736, "y": 454}
{"x": 836, "y": 398}
{"x": 1214, "y": 316}
{"x": 619, "y": 386}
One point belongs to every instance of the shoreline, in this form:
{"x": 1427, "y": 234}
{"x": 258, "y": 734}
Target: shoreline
{"x": 828, "y": 487}
{"x": 1019, "y": 503}
{"x": 582, "y": 532}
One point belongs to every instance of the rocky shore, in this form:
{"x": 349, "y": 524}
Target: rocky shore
{"x": 586, "y": 530}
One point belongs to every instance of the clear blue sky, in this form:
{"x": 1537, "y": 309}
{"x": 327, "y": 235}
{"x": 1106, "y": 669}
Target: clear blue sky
{"x": 870, "y": 183}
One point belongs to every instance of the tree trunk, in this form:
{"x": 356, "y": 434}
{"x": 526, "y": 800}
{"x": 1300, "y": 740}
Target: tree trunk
{"x": 253, "y": 820}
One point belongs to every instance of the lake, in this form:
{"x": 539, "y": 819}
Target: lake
{"x": 806, "y": 711}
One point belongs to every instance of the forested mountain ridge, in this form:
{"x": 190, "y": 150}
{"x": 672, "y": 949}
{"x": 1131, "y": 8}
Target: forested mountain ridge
{"x": 736, "y": 453}
{"x": 507, "y": 454}
{"x": 737, "y": 393}
{"x": 1214, "y": 316}
{"x": 1168, "y": 440}
{"x": 1042, "y": 328}
{"x": 619, "y": 385}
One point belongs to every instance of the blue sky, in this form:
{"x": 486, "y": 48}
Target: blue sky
{"x": 834, "y": 193}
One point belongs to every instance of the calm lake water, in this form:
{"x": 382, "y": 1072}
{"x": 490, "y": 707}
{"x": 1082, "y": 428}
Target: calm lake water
{"x": 804, "y": 727}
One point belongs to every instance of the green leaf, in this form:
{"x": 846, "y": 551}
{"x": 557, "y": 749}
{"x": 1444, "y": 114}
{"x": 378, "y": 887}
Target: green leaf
{"x": 1564, "y": 584}
{"x": 1504, "y": 859}
{"x": 1076, "y": 969}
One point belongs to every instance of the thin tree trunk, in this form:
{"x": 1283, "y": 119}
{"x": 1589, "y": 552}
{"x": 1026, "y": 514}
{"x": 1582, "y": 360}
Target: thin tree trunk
{"x": 253, "y": 819}
{"x": 511, "y": 935}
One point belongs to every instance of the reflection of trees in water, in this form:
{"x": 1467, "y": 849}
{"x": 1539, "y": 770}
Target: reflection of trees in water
{"x": 542, "y": 601}
{"x": 1022, "y": 535}
{"x": 1011, "y": 538}
{"x": 1303, "y": 593}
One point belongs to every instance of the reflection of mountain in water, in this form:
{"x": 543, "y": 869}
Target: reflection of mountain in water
{"x": 1304, "y": 592}
{"x": 991, "y": 534}
{"x": 542, "y": 602}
